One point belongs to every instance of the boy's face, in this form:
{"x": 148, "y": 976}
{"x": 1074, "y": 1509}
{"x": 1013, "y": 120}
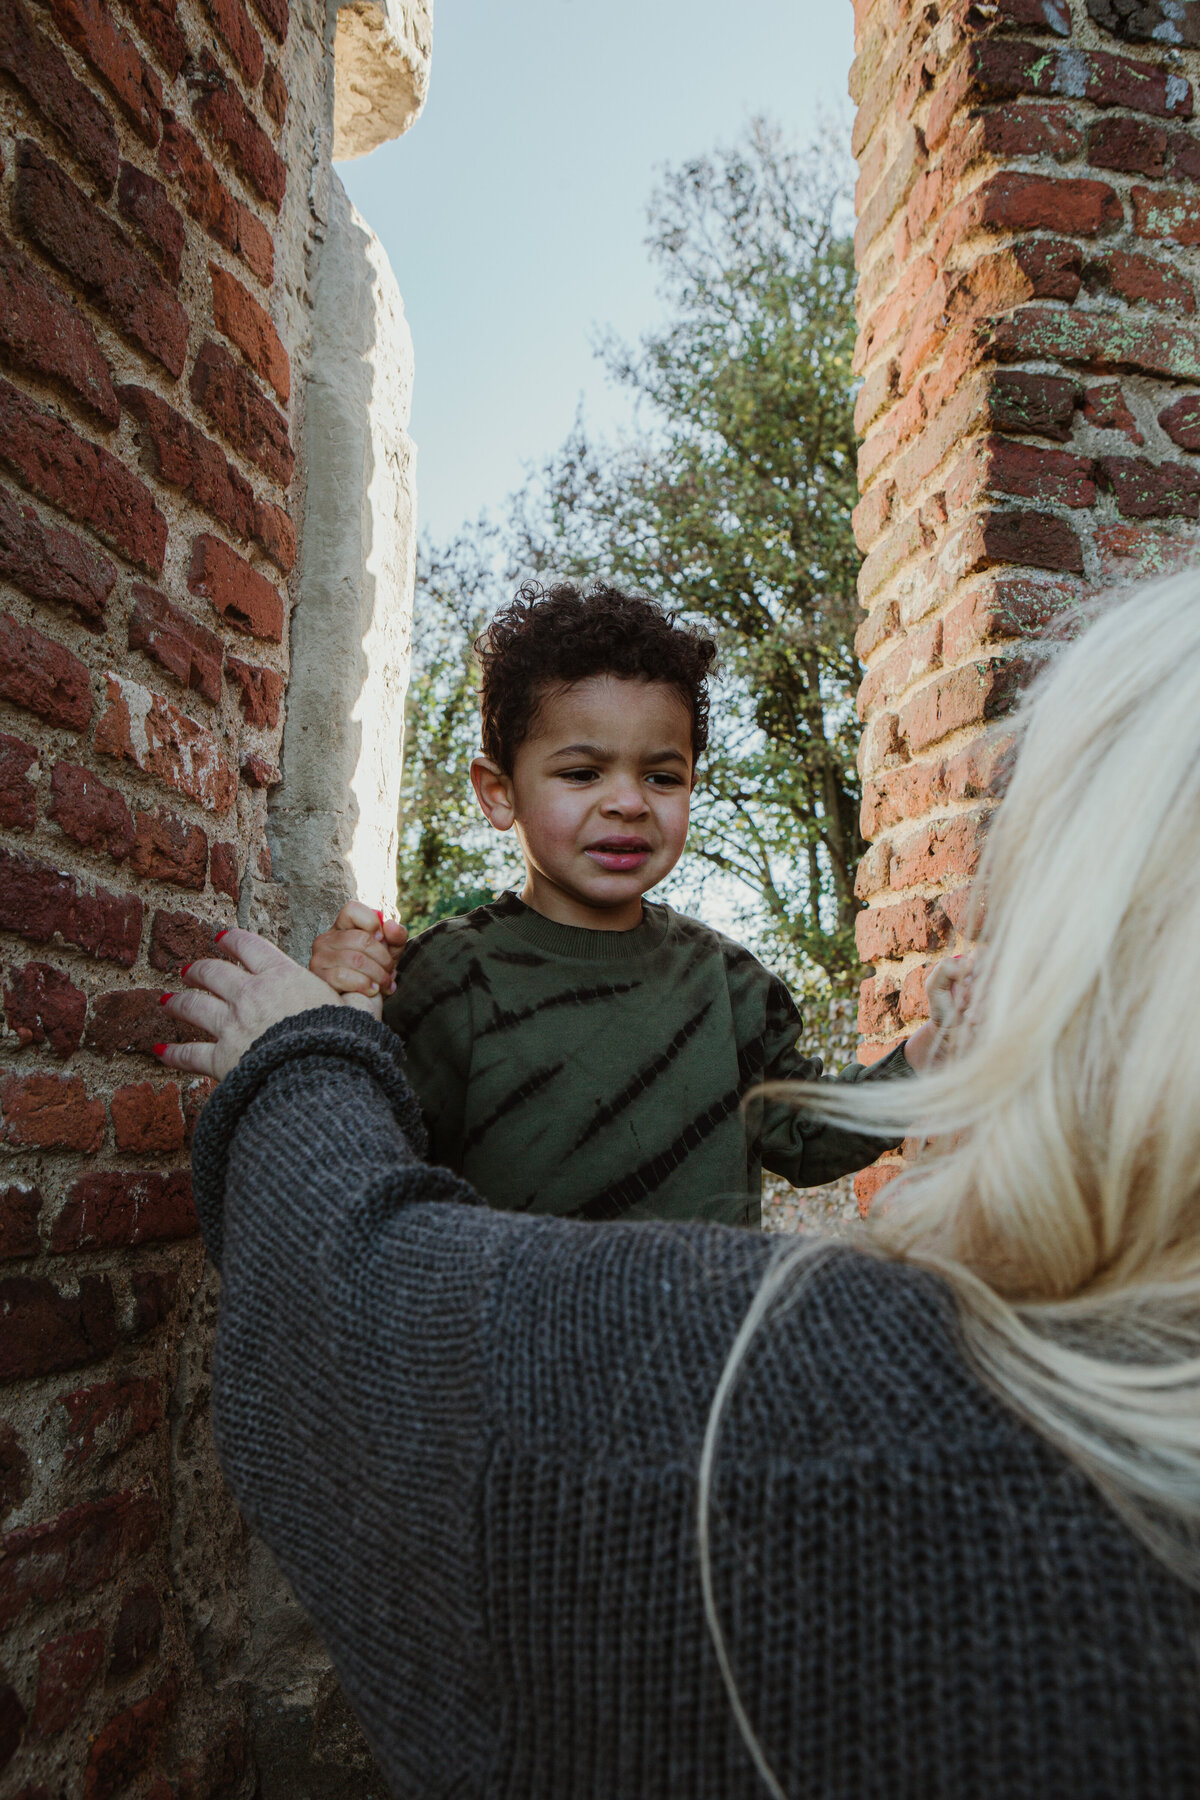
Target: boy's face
{"x": 599, "y": 796}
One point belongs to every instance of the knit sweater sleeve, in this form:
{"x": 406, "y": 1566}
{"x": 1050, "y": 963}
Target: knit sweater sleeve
{"x": 807, "y": 1151}
{"x": 430, "y": 1012}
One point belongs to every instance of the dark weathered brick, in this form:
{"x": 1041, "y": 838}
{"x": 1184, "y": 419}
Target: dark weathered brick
{"x": 132, "y": 1020}
{"x": 180, "y": 455}
{"x": 176, "y": 642}
{"x": 230, "y": 399}
{"x": 67, "y": 1668}
{"x": 37, "y": 902}
{"x": 232, "y": 126}
{"x": 116, "y": 1208}
{"x": 274, "y": 13}
{"x": 1146, "y": 490}
{"x": 275, "y": 95}
{"x": 234, "y": 24}
{"x": 43, "y": 677}
{"x": 42, "y": 1005}
{"x": 86, "y": 1545}
{"x": 248, "y": 325}
{"x": 223, "y": 869}
{"x": 20, "y": 1209}
{"x": 44, "y": 1330}
{"x": 18, "y": 795}
{"x": 43, "y": 334}
{"x": 88, "y": 810}
{"x": 124, "y": 1747}
{"x": 97, "y": 255}
{"x": 210, "y": 203}
{"x": 51, "y": 1112}
{"x": 1181, "y": 421}
{"x": 143, "y": 201}
{"x": 147, "y": 1119}
{"x": 144, "y": 728}
{"x": 243, "y": 597}
{"x": 48, "y": 563}
{"x": 41, "y": 69}
{"x": 88, "y": 27}
{"x": 167, "y": 848}
{"x": 179, "y": 938}
{"x": 105, "y": 1418}
{"x": 156, "y": 20}
{"x": 260, "y": 692}
{"x": 84, "y": 481}
{"x": 135, "y": 1634}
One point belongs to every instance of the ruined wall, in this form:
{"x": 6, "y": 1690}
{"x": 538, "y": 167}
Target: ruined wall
{"x": 165, "y": 192}
{"x": 1028, "y": 216}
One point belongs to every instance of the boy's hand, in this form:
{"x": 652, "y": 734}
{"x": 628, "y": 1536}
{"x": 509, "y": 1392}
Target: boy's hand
{"x": 359, "y": 953}
{"x": 947, "y": 988}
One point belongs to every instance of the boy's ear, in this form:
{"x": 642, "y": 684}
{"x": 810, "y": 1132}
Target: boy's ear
{"x": 494, "y": 792}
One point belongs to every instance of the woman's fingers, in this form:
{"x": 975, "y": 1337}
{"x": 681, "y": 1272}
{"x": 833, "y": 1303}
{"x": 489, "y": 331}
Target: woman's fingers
{"x": 224, "y": 979}
{"x": 345, "y": 980}
{"x": 253, "y": 952}
{"x": 195, "y": 1059}
{"x": 194, "y": 1007}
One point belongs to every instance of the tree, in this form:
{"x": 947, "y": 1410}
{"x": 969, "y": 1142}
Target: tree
{"x": 449, "y": 858}
{"x": 732, "y": 502}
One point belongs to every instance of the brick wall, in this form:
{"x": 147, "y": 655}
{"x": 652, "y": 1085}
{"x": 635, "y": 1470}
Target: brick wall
{"x": 159, "y": 186}
{"x": 1029, "y": 353}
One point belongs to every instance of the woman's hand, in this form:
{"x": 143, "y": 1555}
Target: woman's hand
{"x": 236, "y": 1005}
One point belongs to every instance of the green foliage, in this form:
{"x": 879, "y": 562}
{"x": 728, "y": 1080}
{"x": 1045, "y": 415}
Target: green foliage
{"x": 731, "y": 503}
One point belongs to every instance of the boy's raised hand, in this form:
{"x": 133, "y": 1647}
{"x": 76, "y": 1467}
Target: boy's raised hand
{"x": 359, "y": 953}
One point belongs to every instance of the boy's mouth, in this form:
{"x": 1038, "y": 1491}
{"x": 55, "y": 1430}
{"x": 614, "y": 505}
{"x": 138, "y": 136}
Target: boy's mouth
{"x": 618, "y": 854}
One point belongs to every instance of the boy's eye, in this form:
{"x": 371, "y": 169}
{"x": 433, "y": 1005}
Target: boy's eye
{"x": 580, "y": 776}
{"x": 663, "y": 778}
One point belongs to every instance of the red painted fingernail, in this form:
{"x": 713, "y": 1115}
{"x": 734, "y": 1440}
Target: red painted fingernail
{"x": 163, "y": 998}
{"x": 379, "y": 915}
{"x": 159, "y": 1048}
{"x": 185, "y": 969}
{"x": 217, "y": 939}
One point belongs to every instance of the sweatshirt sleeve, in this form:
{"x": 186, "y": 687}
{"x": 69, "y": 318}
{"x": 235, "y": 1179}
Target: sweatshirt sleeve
{"x": 809, "y": 1152}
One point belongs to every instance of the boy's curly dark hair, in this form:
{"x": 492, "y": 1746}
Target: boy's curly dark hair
{"x": 550, "y": 637}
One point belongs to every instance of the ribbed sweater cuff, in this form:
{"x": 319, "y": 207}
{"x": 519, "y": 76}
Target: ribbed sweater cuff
{"x": 336, "y": 1031}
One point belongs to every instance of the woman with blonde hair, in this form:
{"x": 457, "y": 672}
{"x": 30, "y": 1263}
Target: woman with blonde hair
{"x": 654, "y": 1510}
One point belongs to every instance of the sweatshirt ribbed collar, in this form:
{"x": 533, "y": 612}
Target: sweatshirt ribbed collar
{"x": 578, "y": 942}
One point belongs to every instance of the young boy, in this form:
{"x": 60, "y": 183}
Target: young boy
{"x": 582, "y": 1051}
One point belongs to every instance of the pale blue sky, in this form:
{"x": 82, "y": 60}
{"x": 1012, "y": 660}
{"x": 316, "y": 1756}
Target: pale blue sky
{"x": 514, "y": 210}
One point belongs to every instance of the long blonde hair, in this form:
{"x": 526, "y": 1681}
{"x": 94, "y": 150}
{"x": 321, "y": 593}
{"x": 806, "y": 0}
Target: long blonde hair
{"x": 1058, "y": 1192}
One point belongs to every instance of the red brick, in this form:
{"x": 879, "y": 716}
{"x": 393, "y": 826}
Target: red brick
{"x": 210, "y": 203}
{"x": 1172, "y": 213}
{"x": 51, "y": 1112}
{"x": 156, "y": 20}
{"x": 869, "y": 1182}
{"x": 223, "y": 869}
{"x": 878, "y": 1012}
{"x": 153, "y": 1292}
{"x": 1149, "y": 21}
{"x": 84, "y": 481}
{"x": 41, "y": 69}
{"x": 179, "y": 938}
{"x": 18, "y": 795}
{"x": 1135, "y": 277}
{"x": 230, "y": 399}
{"x": 233, "y": 23}
{"x": 996, "y": 69}
{"x": 147, "y": 730}
{"x": 89, "y": 28}
{"x": 917, "y": 652}
{"x": 260, "y": 692}
{"x": 37, "y": 901}
{"x": 942, "y": 849}
{"x": 135, "y": 1636}
{"x": 132, "y": 1020}
{"x": 1145, "y": 490}
{"x": 143, "y": 201}
{"x": 44, "y": 1331}
{"x": 42, "y": 333}
{"x": 42, "y": 1005}
{"x": 233, "y": 128}
{"x": 67, "y": 1667}
{"x": 1034, "y": 128}
{"x": 20, "y": 1208}
{"x": 1037, "y": 540}
{"x": 122, "y": 1749}
{"x": 1142, "y": 552}
{"x": 175, "y": 641}
{"x": 996, "y": 465}
{"x": 917, "y": 923}
{"x": 117, "y": 1208}
{"x": 1132, "y": 145}
{"x": 90, "y": 811}
{"x": 146, "y": 1118}
{"x": 97, "y": 255}
{"x": 1008, "y": 604}
{"x": 1103, "y": 340}
{"x": 245, "y": 323}
{"x": 243, "y": 597}
{"x": 970, "y": 695}
{"x": 43, "y": 677}
{"x": 275, "y": 95}
{"x": 1105, "y": 407}
{"x": 274, "y": 14}
{"x": 914, "y": 1004}
{"x": 167, "y": 848}
{"x": 1034, "y": 404}
{"x": 174, "y": 450}
{"x": 1011, "y": 201}
{"x": 258, "y": 771}
{"x": 48, "y": 563}
{"x": 1181, "y": 422}
{"x": 982, "y": 770}
{"x": 1185, "y": 155}
{"x": 105, "y": 1419}
{"x": 81, "y": 1548}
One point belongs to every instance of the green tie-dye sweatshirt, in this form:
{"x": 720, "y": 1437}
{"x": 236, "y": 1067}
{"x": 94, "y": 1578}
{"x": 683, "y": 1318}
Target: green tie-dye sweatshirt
{"x": 600, "y": 1074}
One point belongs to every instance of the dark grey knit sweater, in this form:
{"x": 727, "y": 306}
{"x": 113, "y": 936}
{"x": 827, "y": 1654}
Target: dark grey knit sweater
{"x": 471, "y": 1439}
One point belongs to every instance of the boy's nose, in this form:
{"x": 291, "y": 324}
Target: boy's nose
{"x": 627, "y": 802}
